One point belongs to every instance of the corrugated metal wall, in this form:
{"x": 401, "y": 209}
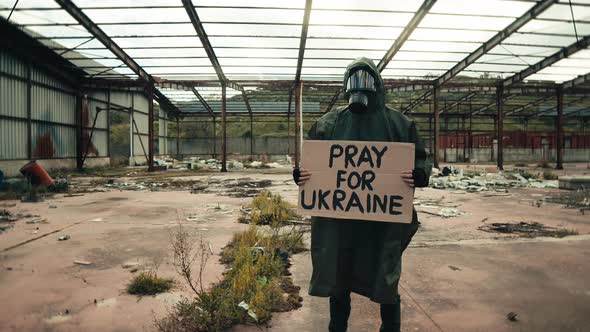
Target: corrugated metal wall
{"x": 13, "y": 108}
{"x": 52, "y": 114}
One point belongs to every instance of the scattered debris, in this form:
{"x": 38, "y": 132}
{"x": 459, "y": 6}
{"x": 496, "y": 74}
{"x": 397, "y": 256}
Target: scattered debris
{"x": 512, "y": 316}
{"x": 250, "y": 312}
{"x": 36, "y": 220}
{"x": 127, "y": 265}
{"x": 454, "y": 268}
{"x": 80, "y": 262}
{"x": 53, "y": 206}
{"x": 63, "y": 238}
{"x": 445, "y": 212}
{"x": 526, "y": 229}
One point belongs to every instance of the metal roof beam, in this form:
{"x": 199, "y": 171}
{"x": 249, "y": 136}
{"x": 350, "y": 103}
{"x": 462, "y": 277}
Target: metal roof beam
{"x": 97, "y": 32}
{"x": 246, "y": 101}
{"x": 333, "y": 100}
{"x": 196, "y": 21}
{"x": 553, "y": 108}
{"x": 101, "y": 36}
{"x": 529, "y": 105}
{"x": 536, "y": 10}
{"x": 405, "y": 34}
{"x": 415, "y": 102}
{"x": 548, "y": 61}
{"x": 462, "y": 99}
{"x": 198, "y": 25}
{"x": 204, "y": 102}
{"x": 488, "y": 106}
{"x": 576, "y": 81}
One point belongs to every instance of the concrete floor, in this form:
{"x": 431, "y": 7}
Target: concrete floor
{"x": 455, "y": 277}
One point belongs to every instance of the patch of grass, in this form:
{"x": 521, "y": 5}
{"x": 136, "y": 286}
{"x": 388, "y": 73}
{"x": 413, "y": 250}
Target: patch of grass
{"x": 527, "y": 175}
{"x": 563, "y": 232}
{"x": 148, "y": 283}
{"x": 548, "y": 175}
{"x": 254, "y": 285}
{"x": 268, "y": 209}
{"x": 579, "y": 199}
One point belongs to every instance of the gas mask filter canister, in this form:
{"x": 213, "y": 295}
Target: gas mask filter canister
{"x": 358, "y": 86}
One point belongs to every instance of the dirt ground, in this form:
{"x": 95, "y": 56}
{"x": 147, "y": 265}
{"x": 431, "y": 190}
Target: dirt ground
{"x": 456, "y": 277}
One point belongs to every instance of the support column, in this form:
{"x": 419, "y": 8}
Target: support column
{"x": 223, "y": 128}
{"x": 214, "y": 139}
{"x": 251, "y": 138}
{"x": 463, "y": 138}
{"x": 109, "y": 123}
{"x": 430, "y": 135}
{"x": 131, "y": 135}
{"x": 29, "y": 113}
{"x": 288, "y": 133}
{"x": 494, "y": 136}
{"x": 559, "y": 129}
{"x": 298, "y": 97}
{"x": 446, "y": 137}
{"x": 178, "y": 155}
{"x": 470, "y": 138}
{"x": 500, "y": 106}
{"x": 79, "y": 143}
{"x": 150, "y": 98}
{"x": 436, "y": 96}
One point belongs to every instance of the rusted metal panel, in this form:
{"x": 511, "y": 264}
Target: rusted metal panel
{"x": 53, "y": 141}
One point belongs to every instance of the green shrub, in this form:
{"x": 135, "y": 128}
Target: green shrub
{"x": 269, "y": 209}
{"x": 544, "y": 164}
{"x": 148, "y": 283}
{"x": 527, "y": 175}
{"x": 548, "y": 175}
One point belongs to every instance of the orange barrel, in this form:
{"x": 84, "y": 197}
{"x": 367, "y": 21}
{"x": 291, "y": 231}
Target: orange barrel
{"x": 37, "y": 175}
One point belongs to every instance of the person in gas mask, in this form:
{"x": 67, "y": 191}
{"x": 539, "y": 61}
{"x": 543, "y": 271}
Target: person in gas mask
{"x": 359, "y": 256}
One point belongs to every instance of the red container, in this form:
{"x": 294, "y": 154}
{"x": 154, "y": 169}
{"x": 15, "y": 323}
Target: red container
{"x": 36, "y": 174}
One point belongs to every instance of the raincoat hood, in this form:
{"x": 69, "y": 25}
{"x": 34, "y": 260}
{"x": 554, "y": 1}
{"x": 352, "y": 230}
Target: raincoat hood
{"x": 368, "y": 65}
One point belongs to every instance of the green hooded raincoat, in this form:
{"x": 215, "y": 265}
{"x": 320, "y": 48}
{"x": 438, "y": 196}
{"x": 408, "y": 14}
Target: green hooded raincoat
{"x": 354, "y": 255}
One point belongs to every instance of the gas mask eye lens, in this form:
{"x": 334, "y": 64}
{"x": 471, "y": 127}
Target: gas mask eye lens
{"x": 358, "y": 86}
{"x": 360, "y": 80}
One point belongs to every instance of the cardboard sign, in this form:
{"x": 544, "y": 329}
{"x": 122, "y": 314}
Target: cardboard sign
{"x": 357, "y": 180}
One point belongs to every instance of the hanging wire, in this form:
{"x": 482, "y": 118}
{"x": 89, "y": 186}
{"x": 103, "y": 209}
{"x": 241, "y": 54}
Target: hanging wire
{"x": 574, "y": 21}
{"x": 12, "y": 10}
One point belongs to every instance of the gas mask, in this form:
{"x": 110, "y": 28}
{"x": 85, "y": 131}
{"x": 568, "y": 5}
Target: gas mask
{"x": 359, "y": 86}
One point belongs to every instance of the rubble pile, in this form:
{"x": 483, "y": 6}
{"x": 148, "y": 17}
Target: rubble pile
{"x": 241, "y": 187}
{"x": 196, "y": 163}
{"x": 499, "y": 182}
